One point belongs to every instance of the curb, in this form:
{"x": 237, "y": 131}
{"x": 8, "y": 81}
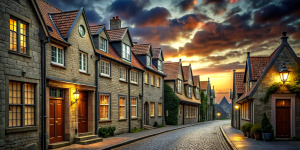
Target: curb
{"x": 227, "y": 139}
{"x": 143, "y": 137}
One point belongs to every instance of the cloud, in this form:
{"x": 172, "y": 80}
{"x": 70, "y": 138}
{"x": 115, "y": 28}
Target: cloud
{"x": 234, "y": 11}
{"x": 218, "y": 7}
{"x": 220, "y": 68}
{"x": 154, "y": 17}
{"x": 186, "y": 5}
{"x": 258, "y": 3}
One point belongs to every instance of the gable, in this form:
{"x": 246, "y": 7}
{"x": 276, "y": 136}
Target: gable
{"x": 190, "y": 80}
{"x": 180, "y": 75}
{"x": 103, "y": 35}
{"x": 127, "y": 39}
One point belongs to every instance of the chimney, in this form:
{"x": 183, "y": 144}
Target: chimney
{"x": 208, "y": 79}
{"x": 135, "y": 42}
{"x": 284, "y": 37}
{"x": 179, "y": 59}
{"x": 115, "y": 23}
{"x": 248, "y": 54}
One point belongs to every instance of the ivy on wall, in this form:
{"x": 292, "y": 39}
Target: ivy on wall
{"x": 171, "y": 104}
{"x": 203, "y": 106}
{"x": 273, "y": 88}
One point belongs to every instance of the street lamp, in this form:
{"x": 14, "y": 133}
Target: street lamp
{"x": 237, "y": 108}
{"x": 218, "y": 114}
{"x": 76, "y": 96}
{"x": 284, "y": 73}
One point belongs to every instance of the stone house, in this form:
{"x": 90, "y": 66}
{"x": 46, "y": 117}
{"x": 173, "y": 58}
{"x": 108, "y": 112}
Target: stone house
{"x": 180, "y": 79}
{"x": 120, "y": 78}
{"x": 196, "y": 88}
{"x": 282, "y": 106}
{"x": 70, "y": 64}
{"x": 205, "y": 86}
{"x": 22, "y": 34}
{"x": 152, "y": 59}
{"x": 237, "y": 92}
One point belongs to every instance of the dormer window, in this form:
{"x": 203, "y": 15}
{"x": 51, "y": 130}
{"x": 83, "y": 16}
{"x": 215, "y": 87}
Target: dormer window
{"x": 103, "y": 44}
{"x": 148, "y": 61}
{"x": 190, "y": 91}
{"x": 126, "y": 51}
{"x": 179, "y": 86}
{"x": 159, "y": 65}
{"x": 197, "y": 93}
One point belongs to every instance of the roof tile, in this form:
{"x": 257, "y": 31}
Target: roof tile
{"x": 94, "y": 29}
{"x": 186, "y": 70}
{"x": 171, "y": 69}
{"x": 140, "y": 49}
{"x": 64, "y": 21}
{"x": 156, "y": 52}
{"x": 117, "y": 34}
{"x": 203, "y": 85}
{"x": 239, "y": 78}
{"x": 196, "y": 80}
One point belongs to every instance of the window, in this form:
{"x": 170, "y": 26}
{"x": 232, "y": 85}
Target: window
{"x": 158, "y": 81}
{"x": 126, "y": 52}
{"x": 134, "y": 77}
{"x": 103, "y": 44}
{"x": 122, "y": 106}
{"x": 82, "y": 62}
{"x": 197, "y": 93}
{"x": 21, "y": 95}
{"x": 190, "y": 91}
{"x": 146, "y": 77}
{"x": 196, "y": 111}
{"x": 187, "y": 111}
{"x": 57, "y": 55}
{"x": 152, "y": 107}
{"x": 159, "y": 65}
{"x": 159, "y": 109}
{"x": 152, "y": 80}
{"x": 133, "y": 108}
{"x": 180, "y": 110}
{"x": 54, "y": 92}
{"x": 104, "y": 107}
{"x": 245, "y": 110}
{"x": 105, "y": 68}
{"x": 122, "y": 73}
{"x": 148, "y": 61}
{"x": 18, "y": 36}
{"x": 179, "y": 86}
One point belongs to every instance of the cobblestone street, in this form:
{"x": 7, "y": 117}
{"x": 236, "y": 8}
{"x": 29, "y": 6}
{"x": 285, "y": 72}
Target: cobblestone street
{"x": 203, "y": 136}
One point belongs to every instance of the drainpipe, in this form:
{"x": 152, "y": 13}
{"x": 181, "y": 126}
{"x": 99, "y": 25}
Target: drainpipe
{"x": 44, "y": 136}
{"x": 142, "y": 102}
{"x": 183, "y": 114}
{"x": 129, "y": 101}
{"x": 163, "y": 100}
{"x": 96, "y": 94}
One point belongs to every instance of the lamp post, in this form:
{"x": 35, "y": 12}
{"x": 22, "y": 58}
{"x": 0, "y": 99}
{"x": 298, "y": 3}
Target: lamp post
{"x": 218, "y": 114}
{"x": 284, "y": 73}
{"x": 76, "y": 97}
{"x": 236, "y": 110}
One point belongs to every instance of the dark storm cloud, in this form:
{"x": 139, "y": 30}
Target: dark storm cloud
{"x": 234, "y": 11}
{"x": 154, "y": 17}
{"x": 258, "y": 3}
{"x": 185, "y": 5}
{"x": 218, "y": 7}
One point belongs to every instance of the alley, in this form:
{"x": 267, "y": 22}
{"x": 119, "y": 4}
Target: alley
{"x": 203, "y": 136}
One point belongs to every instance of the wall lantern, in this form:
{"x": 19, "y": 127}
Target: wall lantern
{"x": 236, "y": 106}
{"x": 218, "y": 114}
{"x": 76, "y": 96}
{"x": 284, "y": 73}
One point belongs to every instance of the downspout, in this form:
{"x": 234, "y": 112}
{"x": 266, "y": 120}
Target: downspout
{"x": 96, "y": 94}
{"x": 142, "y": 114}
{"x": 183, "y": 113}
{"x": 163, "y": 101}
{"x": 129, "y": 101}
{"x": 43, "y": 71}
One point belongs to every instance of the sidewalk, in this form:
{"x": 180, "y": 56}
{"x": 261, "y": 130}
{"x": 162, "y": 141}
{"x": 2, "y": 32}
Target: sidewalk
{"x": 239, "y": 141}
{"x": 122, "y": 139}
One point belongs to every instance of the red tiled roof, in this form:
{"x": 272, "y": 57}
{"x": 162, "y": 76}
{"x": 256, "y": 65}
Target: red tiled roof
{"x": 45, "y": 9}
{"x": 156, "y": 52}
{"x": 186, "y": 70}
{"x": 258, "y": 65}
{"x": 95, "y": 29}
{"x": 171, "y": 69}
{"x": 64, "y": 21}
{"x": 140, "y": 49}
{"x": 116, "y": 34}
{"x": 203, "y": 85}
{"x": 196, "y": 80}
{"x": 239, "y": 78}
{"x": 247, "y": 93}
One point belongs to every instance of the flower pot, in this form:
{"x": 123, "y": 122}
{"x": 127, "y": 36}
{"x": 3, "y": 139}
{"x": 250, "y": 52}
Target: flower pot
{"x": 245, "y": 134}
{"x": 248, "y": 134}
{"x": 267, "y": 137}
{"x": 252, "y": 135}
{"x": 257, "y": 136}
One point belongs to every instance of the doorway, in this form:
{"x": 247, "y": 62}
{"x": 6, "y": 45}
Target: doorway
{"x": 83, "y": 112}
{"x": 146, "y": 113}
{"x": 283, "y": 118}
{"x": 56, "y": 121}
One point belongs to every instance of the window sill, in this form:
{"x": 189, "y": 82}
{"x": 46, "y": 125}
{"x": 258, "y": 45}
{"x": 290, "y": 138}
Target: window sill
{"x": 159, "y": 116}
{"x": 152, "y": 116}
{"x": 18, "y": 53}
{"x": 56, "y": 65}
{"x": 134, "y": 118}
{"x": 245, "y": 119}
{"x": 21, "y": 129}
{"x": 104, "y": 121}
{"x": 123, "y": 81}
{"x": 84, "y": 73}
{"x": 153, "y": 85}
{"x": 147, "y": 83}
{"x": 105, "y": 76}
{"x": 122, "y": 119}
{"x": 134, "y": 83}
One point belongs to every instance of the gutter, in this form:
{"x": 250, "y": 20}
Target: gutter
{"x": 44, "y": 80}
{"x": 129, "y": 101}
{"x": 96, "y": 94}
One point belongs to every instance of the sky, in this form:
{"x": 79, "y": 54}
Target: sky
{"x": 213, "y": 35}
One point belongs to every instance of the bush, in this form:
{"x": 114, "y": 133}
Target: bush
{"x": 203, "y": 106}
{"x": 162, "y": 125}
{"x": 266, "y": 126}
{"x": 106, "y": 132}
{"x": 256, "y": 128}
{"x": 155, "y": 124}
{"x": 243, "y": 128}
{"x": 248, "y": 126}
{"x": 135, "y": 130}
{"x": 171, "y": 104}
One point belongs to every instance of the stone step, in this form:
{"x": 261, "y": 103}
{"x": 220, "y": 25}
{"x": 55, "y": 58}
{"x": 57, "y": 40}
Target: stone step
{"x": 85, "y": 134}
{"x": 59, "y": 144}
{"x": 84, "y": 138}
{"x": 91, "y": 141}
{"x": 149, "y": 127}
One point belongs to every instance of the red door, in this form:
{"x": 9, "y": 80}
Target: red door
{"x": 82, "y": 112}
{"x": 56, "y": 121}
{"x": 283, "y": 118}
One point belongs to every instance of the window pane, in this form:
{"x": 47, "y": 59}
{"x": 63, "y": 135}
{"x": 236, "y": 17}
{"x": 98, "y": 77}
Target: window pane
{"x": 152, "y": 109}
{"x": 104, "y": 107}
{"x": 14, "y": 93}
{"x": 122, "y": 107}
{"x": 29, "y": 93}
{"x": 29, "y": 115}
{"x": 133, "y": 107}
{"x": 14, "y": 116}
{"x": 159, "y": 109}
{"x": 13, "y": 35}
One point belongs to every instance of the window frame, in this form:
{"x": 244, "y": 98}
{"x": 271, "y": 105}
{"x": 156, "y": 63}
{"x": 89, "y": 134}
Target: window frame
{"x": 146, "y": 78}
{"x": 152, "y": 103}
{"x": 18, "y": 36}
{"x": 109, "y": 68}
{"x": 126, "y": 52}
{"x": 152, "y": 80}
{"x": 57, "y": 48}
{"x": 190, "y": 90}
{"x": 121, "y": 74}
{"x": 159, "y": 65}
{"x": 101, "y": 44}
{"x": 245, "y": 112}
{"x": 125, "y": 107}
{"x": 158, "y": 82}
{"x": 159, "y": 109}
{"x": 136, "y": 107}
{"x": 132, "y": 76}
{"x": 81, "y": 61}
{"x": 109, "y": 106}
{"x": 148, "y": 61}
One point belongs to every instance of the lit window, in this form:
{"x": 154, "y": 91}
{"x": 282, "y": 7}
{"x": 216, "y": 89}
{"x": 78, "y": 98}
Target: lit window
{"x": 152, "y": 79}
{"x": 152, "y": 107}
{"x": 179, "y": 86}
{"x": 103, "y": 44}
{"x": 57, "y": 55}
{"x": 245, "y": 110}
{"x": 82, "y": 62}
{"x": 148, "y": 61}
{"x": 159, "y": 65}
{"x": 126, "y": 52}
{"x": 122, "y": 73}
{"x": 134, "y": 77}
{"x": 122, "y": 108}
{"x": 57, "y": 93}
{"x": 104, "y": 107}
{"x": 159, "y": 109}
{"x": 158, "y": 81}
{"x": 18, "y": 30}
{"x": 105, "y": 68}
{"x": 133, "y": 108}
{"x": 146, "y": 77}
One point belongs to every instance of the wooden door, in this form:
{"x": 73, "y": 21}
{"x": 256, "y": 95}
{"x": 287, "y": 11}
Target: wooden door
{"x": 283, "y": 119}
{"x": 56, "y": 121}
{"x": 83, "y": 112}
{"x": 146, "y": 113}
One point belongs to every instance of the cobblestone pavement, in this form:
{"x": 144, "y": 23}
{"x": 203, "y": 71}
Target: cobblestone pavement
{"x": 203, "y": 136}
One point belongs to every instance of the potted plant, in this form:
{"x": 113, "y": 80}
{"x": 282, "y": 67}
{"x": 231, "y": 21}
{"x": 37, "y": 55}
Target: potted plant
{"x": 266, "y": 127}
{"x": 247, "y": 129}
{"x": 243, "y": 130}
{"x": 256, "y": 130}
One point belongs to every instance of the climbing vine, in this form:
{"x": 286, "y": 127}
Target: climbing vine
{"x": 273, "y": 88}
{"x": 203, "y": 106}
{"x": 171, "y": 103}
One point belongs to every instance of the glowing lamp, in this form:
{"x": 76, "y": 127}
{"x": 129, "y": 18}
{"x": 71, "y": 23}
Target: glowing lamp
{"x": 236, "y": 107}
{"x": 218, "y": 114}
{"x": 284, "y": 73}
{"x": 76, "y": 96}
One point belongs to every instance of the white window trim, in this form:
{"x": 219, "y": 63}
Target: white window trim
{"x": 148, "y": 61}
{"x": 137, "y": 77}
{"x": 103, "y": 74}
{"x": 179, "y": 88}
{"x": 83, "y": 54}
{"x": 124, "y": 70}
{"x": 101, "y": 40}
{"x": 159, "y": 65}
{"x": 105, "y": 105}
{"x": 63, "y": 56}
{"x": 126, "y": 52}
{"x": 125, "y": 117}
{"x": 136, "y": 108}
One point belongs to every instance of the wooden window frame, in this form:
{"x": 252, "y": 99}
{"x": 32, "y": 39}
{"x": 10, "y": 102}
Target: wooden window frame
{"x": 125, "y": 107}
{"x": 152, "y": 109}
{"x": 159, "y": 109}
{"x": 126, "y": 52}
{"x": 81, "y": 62}
{"x": 134, "y": 77}
{"x": 56, "y": 62}
{"x": 158, "y": 82}
{"x": 135, "y": 107}
{"x": 109, "y": 106}
{"x": 101, "y": 44}
{"x": 146, "y": 77}
{"x": 179, "y": 86}
{"x": 123, "y": 70}
{"x": 18, "y": 36}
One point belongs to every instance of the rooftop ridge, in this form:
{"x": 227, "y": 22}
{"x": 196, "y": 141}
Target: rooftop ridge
{"x": 64, "y": 12}
{"x": 118, "y": 29}
{"x": 96, "y": 25}
{"x": 52, "y": 5}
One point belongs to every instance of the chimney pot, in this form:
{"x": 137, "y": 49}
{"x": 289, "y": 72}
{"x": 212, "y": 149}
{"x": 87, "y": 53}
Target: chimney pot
{"x": 248, "y": 54}
{"x": 117, "y": 17}
{"x": 115, "y": 23}
{"x": 284, "y": 33}
{"x": 284, "y": 37}
{"x": 113, "y": 17}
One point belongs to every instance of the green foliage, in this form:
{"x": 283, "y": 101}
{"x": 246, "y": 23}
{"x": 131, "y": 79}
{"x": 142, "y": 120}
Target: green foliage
{"x": 256, "y": 128}
{"x": 203, "y": 106}
{"x": 243, "y": 128}
{"x": 106, "y": 131}
{"x": 273, "y": 88}
{"x": 162, "y": 125}
{"x": 135, "y": 130}
{"x": 266, "y": 126}
{"x": 155, "y": 124}
{"x": 171, "y": 104}
{"x": 248, "y": 126}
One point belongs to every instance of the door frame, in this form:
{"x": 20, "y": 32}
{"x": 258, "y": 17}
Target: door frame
{"x": 146, "y": 113}
{"x": 292, "y": 98}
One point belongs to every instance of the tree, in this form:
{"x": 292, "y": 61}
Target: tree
{"x": 203, "y": 106}
{"x": 171, "y": 104}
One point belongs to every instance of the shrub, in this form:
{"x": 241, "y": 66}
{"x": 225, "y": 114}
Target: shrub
{"x": 266, "y": 126}
{"x": 135, "y": 130}
{"x": 248, "y": 126}
{"x": 203, "y": 106}
{"x": 155, "y": 124}
{"x": 106, "y": 132}
{"x": 243, "y": 128}
{"x": 171, "y": 104}
{"x": 256, "y": 128}
{"x": 162, "y": 125}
